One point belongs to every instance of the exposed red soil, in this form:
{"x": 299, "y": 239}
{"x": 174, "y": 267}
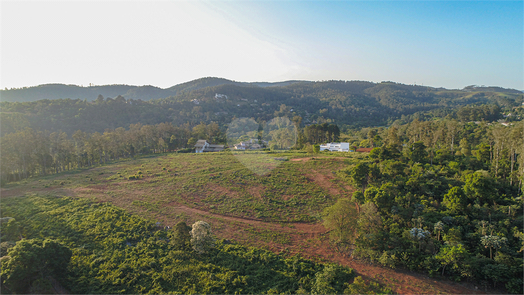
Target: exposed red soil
{"x": 255, "y": 191}
{"x": 300, "y": 159}
{"x": 309, "y": 158}
{"x": 217, "y": 188}
{"x": 324, "y": 181}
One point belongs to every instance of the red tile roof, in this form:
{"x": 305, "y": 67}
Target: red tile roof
{"x": 364, "y": 150}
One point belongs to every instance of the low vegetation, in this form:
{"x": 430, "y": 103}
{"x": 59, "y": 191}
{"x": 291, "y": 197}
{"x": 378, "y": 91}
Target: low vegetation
{"x": 97, "y": 248}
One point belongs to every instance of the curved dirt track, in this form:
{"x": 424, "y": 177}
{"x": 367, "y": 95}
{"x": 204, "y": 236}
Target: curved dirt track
{"x": 401, "y": 281}
{"x": 307, "y": 228}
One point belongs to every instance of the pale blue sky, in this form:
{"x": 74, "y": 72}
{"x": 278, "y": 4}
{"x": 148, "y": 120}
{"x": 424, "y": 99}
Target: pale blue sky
{"x": 448, "y": 44}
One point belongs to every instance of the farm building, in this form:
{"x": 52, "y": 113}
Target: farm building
{"x": 364, "y": 150}
{"x": 202, "y": 146}
{"x": 335, "y": 147}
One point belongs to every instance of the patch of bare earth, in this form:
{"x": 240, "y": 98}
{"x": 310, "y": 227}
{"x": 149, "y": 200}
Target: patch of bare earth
{"x": 323, "y": 181}
{"x": 256, "y": 191}
{"x": 300, "y": 159}
{"x": 307, "y": 159}
{"x": 222, "y": 190}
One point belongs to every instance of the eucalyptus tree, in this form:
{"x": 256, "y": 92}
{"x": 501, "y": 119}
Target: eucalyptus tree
{"x": 493, "y": 242}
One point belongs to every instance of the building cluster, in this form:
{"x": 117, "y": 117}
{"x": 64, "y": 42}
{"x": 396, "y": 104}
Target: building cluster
{"x": 342, "y": 147}
{"x": 252, "y": 144}
{"x": 202, "y": 146}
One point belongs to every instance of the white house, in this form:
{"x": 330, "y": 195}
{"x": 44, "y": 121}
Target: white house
{"x": 240, "y": 146}
{"x": 202, "y": 146}
{"x": 335, "y": 147}
{"x": 251, "y": 144}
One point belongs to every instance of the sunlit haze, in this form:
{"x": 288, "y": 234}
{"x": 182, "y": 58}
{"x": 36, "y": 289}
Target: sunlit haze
{"x": 448, "y": 44}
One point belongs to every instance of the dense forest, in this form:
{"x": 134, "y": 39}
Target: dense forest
{"x": 440, "y": 197}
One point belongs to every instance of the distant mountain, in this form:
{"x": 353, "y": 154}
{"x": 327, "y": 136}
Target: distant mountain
{"x": 58, "y": 91}
{"x": 62, "y": 91}
{"x": 201, "y": 83}
{"x": 148, "y": 92}
{"x": 491, "y": 89}
{"x": 346, "y": 103}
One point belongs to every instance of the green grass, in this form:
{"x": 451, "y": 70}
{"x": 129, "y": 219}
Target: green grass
{"x": 266, "y": 189}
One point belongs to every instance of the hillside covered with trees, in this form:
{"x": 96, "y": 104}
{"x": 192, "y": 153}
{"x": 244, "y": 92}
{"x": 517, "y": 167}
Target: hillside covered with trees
{"x": 349, "y": 104}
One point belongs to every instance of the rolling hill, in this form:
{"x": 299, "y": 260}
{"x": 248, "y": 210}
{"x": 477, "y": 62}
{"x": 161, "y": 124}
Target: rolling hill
{"x": 348, "y": 104}
{"x": 146, "y": 92}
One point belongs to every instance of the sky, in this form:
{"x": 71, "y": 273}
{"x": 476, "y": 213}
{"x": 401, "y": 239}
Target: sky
{"x": 449, "y": 44}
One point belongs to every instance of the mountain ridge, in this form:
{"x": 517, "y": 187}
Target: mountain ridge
{"x": 150, "y": 92}
{"x": 144, "y": 92}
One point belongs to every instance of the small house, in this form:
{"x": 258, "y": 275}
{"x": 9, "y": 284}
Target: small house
{"x": 202, "y": 146}
{"x": 335, "y": 147}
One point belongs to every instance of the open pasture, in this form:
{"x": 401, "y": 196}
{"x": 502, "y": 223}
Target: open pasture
{"x": 290, "y": 191}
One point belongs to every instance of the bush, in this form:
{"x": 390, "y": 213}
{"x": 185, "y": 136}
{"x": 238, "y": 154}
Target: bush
{"x": 185, "y": 151}
{"x": 31, "y": 261}
{"x": 359, "y": 286}
{"x": 181, "y": 236}
{"x": 5, "y": 246}
{"x": 332, "y": 279}
{"x": 201, "y": 237}
{"x": 388, "y": 260}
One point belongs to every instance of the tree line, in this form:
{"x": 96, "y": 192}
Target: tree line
{"x": 29, "y": 152}
{"x": 492, "y": 146}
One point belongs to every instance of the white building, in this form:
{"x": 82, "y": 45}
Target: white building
{"x": 335, "y": 147}
{"x": 251, "y": 144}
{"x": 202, "y": 146}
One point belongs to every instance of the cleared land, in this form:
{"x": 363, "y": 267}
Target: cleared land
{"x": 279, "y": 210}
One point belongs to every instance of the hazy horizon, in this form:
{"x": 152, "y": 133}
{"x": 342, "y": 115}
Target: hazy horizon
{"x": 449, "y": 44}
{"x": 145, "y": 85}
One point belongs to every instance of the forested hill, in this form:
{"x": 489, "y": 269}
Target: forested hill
{"x": 148, "y": 92}
{"x": 90, "y": 93}
{"x": 345, "y": 103}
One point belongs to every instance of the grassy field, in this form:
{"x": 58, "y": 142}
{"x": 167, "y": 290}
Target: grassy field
{"x": 289, "y": 191}
{"x": 274, "y": 202}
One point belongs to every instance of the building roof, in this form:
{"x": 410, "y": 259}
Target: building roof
{"x": 364, "y": 150}
{"x": 200, "y": 143}
{"x": 214, "y": 148}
